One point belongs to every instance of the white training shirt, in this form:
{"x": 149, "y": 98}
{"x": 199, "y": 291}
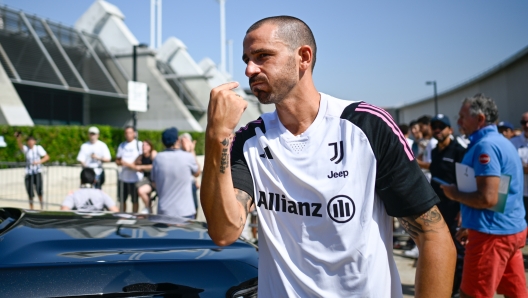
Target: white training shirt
{"x": 128, "y": 152}
{"x": 88, "y": 199}
{"x": 324, "y": 199}
{"x": 32, "y": 155}
{"x": 98, "y": 148}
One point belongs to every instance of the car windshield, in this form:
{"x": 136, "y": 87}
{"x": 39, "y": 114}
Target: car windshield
{"x": 8, "y": 216}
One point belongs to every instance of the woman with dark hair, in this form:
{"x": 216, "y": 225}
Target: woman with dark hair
{"x": 143, "y": 164}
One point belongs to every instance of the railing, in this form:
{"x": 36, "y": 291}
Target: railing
{"x": 57, "y": 182}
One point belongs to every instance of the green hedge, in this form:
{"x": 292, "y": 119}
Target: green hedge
{"x": 63, "y": 142}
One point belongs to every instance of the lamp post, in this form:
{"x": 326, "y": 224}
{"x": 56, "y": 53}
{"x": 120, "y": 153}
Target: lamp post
{"x": 134, "y": 77}
{"x": 435, "y": 95}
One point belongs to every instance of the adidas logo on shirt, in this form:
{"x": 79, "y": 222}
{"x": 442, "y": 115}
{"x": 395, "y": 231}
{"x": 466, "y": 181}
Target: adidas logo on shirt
{"x": 88, "y": 205}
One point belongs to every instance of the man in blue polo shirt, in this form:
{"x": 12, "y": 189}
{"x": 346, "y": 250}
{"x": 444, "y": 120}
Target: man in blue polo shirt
{"x": 493, "y": 260}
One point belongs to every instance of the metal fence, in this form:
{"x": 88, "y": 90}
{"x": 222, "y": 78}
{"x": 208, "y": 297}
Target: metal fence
{"x": 58, "y": 180}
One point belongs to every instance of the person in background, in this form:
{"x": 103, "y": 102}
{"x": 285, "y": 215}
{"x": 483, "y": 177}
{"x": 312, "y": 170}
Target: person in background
{"x": 143, "y": 164}
{"x": 87, "y": 197}
{"x": 443, "y": 159}
{"x": 405, "y": 131}
{"x": 35, "y": 156}
{"x": 127, "y": 153}
{"x": 186, "y": 143}
{"x": 493, "y": 261}
{"x": 173, "y": 171}
{"x": 521, "y": 143}
{"x": 506, "y": 129}
{"x": 92, "y": 155}
{"x": 428, "y": 142}
{"x": 522, "y": 139}
{"x": 417, "y": 135}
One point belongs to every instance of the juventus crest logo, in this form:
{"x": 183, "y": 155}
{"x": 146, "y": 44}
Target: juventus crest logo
{"x": 338, "y": 152}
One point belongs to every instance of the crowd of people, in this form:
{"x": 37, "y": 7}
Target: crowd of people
{"x": 169, "y": 176}
{"x": 322, "y": 234}
{"x": 487, "y": 240}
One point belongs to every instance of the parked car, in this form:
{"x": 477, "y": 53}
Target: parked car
{"x": 76, "y": 254}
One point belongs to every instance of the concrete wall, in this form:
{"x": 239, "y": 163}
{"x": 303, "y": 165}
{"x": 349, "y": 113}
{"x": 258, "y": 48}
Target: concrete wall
{"x": 506, "y": 83}
{"x": 12, "y": 110}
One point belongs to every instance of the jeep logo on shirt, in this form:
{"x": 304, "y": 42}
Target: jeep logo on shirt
{"x": 341, "y": 208}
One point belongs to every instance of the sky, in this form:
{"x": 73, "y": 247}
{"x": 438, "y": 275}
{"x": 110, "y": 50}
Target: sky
{"x": 381, "y": 51}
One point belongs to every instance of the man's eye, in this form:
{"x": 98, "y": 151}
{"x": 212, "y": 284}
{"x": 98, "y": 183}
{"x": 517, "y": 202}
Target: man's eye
{"x": 263, "y": 55}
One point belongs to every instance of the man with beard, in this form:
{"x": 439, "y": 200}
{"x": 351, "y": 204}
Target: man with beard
{"x": 325, "y": 175}
{"x": 443, "y": 159}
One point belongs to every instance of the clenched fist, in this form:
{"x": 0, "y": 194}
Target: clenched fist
{"x": 225, "y": 109}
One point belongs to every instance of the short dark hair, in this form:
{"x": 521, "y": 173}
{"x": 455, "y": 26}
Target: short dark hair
{"x": 425, "y": 120}
{"x": 404, "y": 128}
{"x": 480, "y": 104}
{"x": 31, "y": 138}
{"x": 292, "y": 30}
{"x": 129, "y": 126}
{"x": 413, "y": 123}
{"x": 87, "y": 176}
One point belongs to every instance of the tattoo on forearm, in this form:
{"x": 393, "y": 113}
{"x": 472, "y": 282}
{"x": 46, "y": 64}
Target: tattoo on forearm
{"x": 243, "y": 198}
{"x": 421, "y": 224}
{"x": 224, "y": 162}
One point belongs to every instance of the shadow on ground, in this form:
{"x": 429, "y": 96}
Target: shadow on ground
{"x": 408, "y": 289}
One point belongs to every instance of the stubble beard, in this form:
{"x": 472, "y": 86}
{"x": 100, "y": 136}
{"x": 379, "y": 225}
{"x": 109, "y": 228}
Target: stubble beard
{"x": 284, "y": 83}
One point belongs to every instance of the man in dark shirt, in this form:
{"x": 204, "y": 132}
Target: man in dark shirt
{"x": 444, "y": 156}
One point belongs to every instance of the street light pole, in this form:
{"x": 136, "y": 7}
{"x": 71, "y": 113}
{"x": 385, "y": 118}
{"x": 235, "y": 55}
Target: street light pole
{"x": 134, "y": 77}
{"x": 435, "y": 95}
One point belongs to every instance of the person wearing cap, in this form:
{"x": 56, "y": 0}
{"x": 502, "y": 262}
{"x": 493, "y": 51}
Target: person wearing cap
{"x": 173, "y": 172}
{"x": 92, "y": 155}
{"x": 443, "y": 159}
{"x": 493, "y": 261}
{"x": 506, "y": 129}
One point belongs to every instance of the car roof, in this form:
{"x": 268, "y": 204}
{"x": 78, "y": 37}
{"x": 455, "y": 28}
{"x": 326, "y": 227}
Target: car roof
{"x": 43, "y": 237}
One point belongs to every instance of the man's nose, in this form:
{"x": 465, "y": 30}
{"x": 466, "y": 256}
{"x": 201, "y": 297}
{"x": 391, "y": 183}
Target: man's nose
{"x": 251, "y": 69}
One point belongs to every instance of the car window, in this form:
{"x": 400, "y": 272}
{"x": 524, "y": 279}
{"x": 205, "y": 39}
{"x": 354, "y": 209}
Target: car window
{"x": 8, "y": 216}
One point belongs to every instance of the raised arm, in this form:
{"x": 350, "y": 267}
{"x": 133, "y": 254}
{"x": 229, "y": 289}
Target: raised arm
{"x": 436, "y": 263}
{"x": 225, "y": 207}
{"x": 18, "y": 137}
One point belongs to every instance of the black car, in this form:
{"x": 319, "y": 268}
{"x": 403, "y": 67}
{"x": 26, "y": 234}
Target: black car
{"x": 74, "y": 254}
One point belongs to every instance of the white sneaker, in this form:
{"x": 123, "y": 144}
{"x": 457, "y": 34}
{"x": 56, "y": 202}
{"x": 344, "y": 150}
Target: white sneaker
{"x": 413, "y": 253}
{"x": 144, "y": 211}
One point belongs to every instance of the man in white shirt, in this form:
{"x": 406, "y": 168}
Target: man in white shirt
{"x": 88, "y": 198}
{"x": 325, "y": 175}
{"x": 92, "y": 155}
{"x": 127, "y": 152}
{"x": 35, "y": 156}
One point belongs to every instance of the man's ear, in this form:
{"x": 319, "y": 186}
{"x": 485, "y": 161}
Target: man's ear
{"x": 306, "y": 55}
{"x": 481, "y": 120}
